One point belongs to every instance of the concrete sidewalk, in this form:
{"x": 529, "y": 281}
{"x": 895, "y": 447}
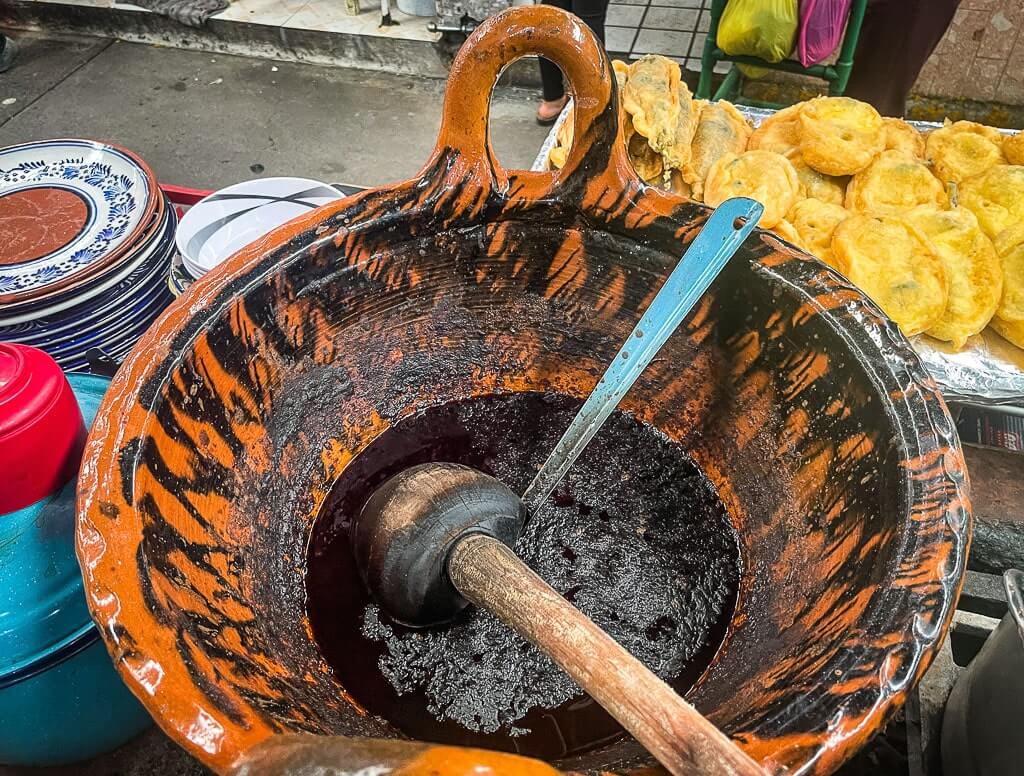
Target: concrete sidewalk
{"x": 209, "y": 120}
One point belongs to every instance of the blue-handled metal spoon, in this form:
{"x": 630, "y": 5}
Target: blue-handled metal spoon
{"x": 722, "y": 235}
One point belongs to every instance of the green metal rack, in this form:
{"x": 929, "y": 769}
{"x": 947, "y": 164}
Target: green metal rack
{"x": 836, "y": 75}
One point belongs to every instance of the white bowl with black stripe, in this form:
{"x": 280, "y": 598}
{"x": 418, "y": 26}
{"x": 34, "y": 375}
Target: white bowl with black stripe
{"x": 228, "y": 220}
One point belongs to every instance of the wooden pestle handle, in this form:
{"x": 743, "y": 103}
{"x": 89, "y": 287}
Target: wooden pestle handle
{"x": 490, "y": 575}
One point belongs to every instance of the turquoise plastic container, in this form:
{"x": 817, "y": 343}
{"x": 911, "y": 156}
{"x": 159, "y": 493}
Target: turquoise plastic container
{"x": 61, "y": 701}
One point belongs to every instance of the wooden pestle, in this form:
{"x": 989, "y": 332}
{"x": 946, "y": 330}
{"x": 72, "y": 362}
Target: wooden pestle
{"x": 489, "y": 574}
{"x": 437, "y": 536}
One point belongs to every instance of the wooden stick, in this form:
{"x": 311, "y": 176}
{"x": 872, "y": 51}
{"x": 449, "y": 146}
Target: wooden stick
{"x": 490, "y": 575}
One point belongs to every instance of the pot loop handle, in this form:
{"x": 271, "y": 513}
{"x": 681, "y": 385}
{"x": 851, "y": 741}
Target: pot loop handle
{"x": 568, "y": 42}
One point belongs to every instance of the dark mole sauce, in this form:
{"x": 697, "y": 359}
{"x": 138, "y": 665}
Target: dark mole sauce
{"x": 635, "y": 537}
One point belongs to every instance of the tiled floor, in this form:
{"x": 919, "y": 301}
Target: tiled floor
{"x": 981, "y": 57}
{"x": 324, "y": 15}
{"x": 331, "y": 16}
{"x": 675, "y": 28}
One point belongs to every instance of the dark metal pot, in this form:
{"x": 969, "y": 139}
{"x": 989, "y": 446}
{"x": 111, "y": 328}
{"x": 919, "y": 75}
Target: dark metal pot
{"x": 227, "y": 427}
{"x": 981, "y": 727}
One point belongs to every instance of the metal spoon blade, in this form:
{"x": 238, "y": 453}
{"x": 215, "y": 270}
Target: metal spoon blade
{"x": 722, "y": 235}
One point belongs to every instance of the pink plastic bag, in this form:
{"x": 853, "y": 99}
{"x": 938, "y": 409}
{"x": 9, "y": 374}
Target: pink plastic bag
{"x": 821, "y": 29}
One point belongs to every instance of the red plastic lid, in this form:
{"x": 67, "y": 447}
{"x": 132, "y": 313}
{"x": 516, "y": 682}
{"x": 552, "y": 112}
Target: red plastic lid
{"x": 41, "y": 428}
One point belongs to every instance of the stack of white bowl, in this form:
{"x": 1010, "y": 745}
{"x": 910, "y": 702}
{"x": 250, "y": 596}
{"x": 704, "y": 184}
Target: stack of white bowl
{"x": 227, "y": 220}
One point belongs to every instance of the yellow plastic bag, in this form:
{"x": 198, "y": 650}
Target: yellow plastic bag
{"x": 765, "y": 29}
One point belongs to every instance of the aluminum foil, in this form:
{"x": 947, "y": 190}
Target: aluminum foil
{"x": 987, "y": 371}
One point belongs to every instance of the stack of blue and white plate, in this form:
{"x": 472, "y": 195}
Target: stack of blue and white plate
{"x": 86, "y": 239}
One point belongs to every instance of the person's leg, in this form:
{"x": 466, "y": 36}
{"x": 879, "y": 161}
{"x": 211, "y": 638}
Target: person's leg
{"x": 552, "y": 88}
{"x": 593, "y": 12}
{"x": 895, "y": 41}
{"x": 551, "y": 81}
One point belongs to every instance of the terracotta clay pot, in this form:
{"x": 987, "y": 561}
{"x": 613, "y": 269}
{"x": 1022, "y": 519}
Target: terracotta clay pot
{"x": 224, "y": 431}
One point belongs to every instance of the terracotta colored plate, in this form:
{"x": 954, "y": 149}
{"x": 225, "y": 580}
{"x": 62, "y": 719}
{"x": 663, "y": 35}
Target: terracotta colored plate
{"x": 69, "y": 209}
{"x": 80, "y": 289}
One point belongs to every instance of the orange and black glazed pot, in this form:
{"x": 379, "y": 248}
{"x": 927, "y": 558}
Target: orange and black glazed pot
{"x": 225, "y": 430}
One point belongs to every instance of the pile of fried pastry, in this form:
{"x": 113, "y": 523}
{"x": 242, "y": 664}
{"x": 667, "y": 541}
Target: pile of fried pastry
{"x": 930, "y": 226}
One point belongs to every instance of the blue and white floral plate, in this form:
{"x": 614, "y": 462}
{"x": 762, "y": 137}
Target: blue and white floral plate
{"x": 104, "y": 288}
{"x": 113, "y": 320}
{"x": 108, "y": 307}
{"x": 86, "y": 240}
{"x": 68, "y": 210}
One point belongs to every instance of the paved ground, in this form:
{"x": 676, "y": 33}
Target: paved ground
{"x": 210, "y": 120}
{"x": 151, "y": 754}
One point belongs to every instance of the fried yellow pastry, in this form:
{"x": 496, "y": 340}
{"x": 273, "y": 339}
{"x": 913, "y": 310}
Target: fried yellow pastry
{"x": 893, "y": 183}
{"x": 558, "y": 156}
{"x": 563, "y": 142}
{"x": 651, "y": 98}
{"x": 565, "y": 132}
{"x": 972, "y": 267}
{"x": 996, "y": 197}
{"x": 565, "y": 129}
{"x": 721, "y": 130}
{"x": 778, "y": 133}
{"x": 646, "y": 160}
{"x": 769, "y": 178}
{"x": 1013, "y": 148}
{"x": 963, "y": 149}
{"x": 895, "y": 266}
{"x": 785, "y": 230}
{"x": 839, "y": 135}
{"x": 621, "y": 70}
{"x": 677, "y": 185}
{"x": 1009, "y": 317}
{"x": 827, "y": 188}
{"x": 677, "y": 152}
{"x": 901, "y": 136}
{"x": 816, "y": 221}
